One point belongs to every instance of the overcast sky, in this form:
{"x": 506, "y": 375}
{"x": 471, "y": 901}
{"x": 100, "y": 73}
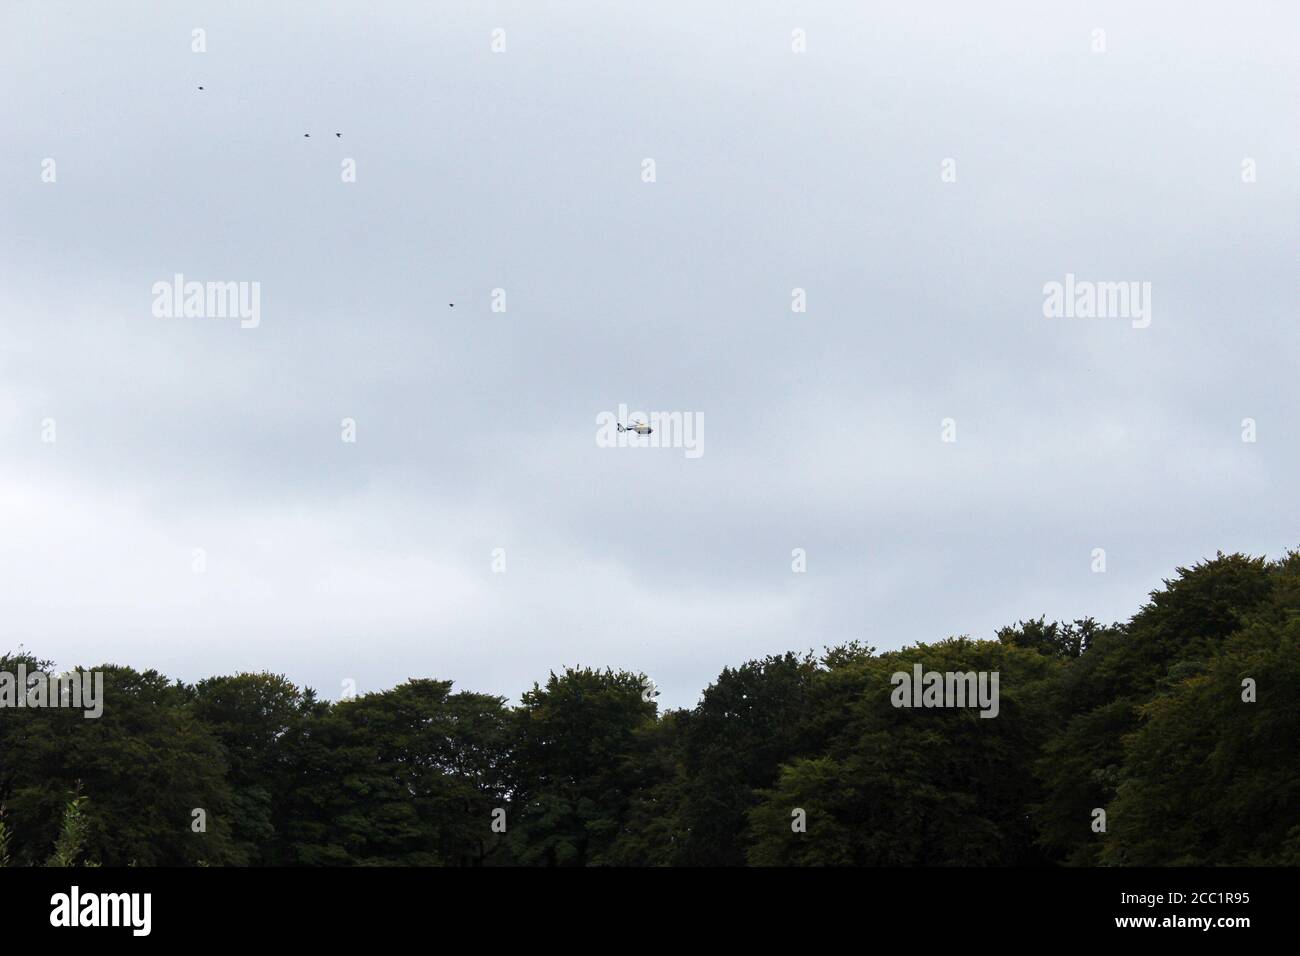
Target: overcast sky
{"x": 476, "y": 430}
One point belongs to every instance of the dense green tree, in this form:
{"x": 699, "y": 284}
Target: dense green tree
{"x": 1102, "y": 692}
{"x": 1064, "y": 640}
{"x": 651, "y": 831}
{"x": 1212, "y": 776}
{"x": 409, "y": 776}
{"x": 145, "y": 765}
{"x": 749, "y": 721}
{"x": 258, "y": 719}
{"x": 916, "y": 786}
{"x": 577, "y": 742}
{"x": 1186, "y": 621}
{"x": 1144, "y": 719}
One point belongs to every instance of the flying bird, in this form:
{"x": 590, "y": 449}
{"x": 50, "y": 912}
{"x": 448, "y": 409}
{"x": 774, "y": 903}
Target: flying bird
{"x": 339, "y": 135}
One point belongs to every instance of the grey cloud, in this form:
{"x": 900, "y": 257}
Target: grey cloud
{"x": 476, "y": 430}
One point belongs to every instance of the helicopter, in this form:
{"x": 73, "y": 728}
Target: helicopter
{"x": 641, "y": 428}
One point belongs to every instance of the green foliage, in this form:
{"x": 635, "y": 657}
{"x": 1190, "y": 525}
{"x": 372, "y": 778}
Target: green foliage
{"x": 72, "y": 835}
{"x": 71, "y": 842}
{"x": 751, "y": 720}
{"x": 144, "y": 764}
{"x": 1107, "y": 691}
{"x": 1066, "y": 641}
{"x": 4, "y": 839}
{"x": 1208, "y": 777}
{"x": 1144, "y": 719}
{"x": 897, "y": 786}
{"x": 260, "y": 721}
{"x": 576, "y": 749}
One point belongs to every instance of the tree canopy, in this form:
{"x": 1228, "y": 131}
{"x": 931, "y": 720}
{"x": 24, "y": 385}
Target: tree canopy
{"x": 1169, "y": 739}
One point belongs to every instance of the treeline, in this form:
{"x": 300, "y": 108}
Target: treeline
{"x": 1182, "y": 725}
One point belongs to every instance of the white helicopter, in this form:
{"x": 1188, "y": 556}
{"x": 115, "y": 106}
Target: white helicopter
{"x": 641, "y": 428}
